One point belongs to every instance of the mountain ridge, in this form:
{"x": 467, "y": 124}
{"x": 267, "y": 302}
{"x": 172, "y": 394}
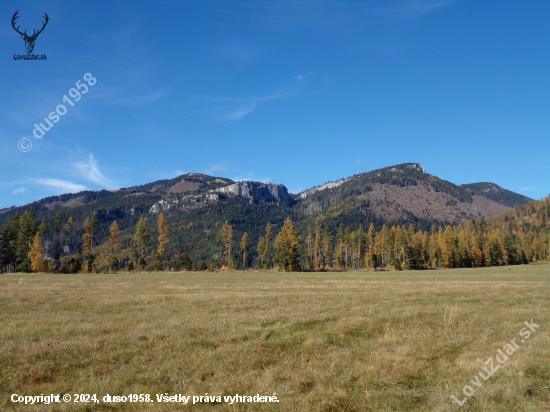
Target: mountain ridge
{"x": 195, "y": 183}
{"x": 196, "y": 205}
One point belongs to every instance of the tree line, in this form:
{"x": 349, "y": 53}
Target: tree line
{"x": 518, "y": 237}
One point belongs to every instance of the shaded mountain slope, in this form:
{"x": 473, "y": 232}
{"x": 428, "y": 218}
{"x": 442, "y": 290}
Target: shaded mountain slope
{"x": 497, "y": 194}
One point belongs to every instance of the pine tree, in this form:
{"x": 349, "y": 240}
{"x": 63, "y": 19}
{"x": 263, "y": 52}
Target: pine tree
{"x": 260, "y": 249}
{"x": 327, "y": 243}
{"x": 317, "y": 249}
{"x": 87, "y": 243}
{"x": 244, "y": 246}
{"x": 94, "y": 226}
{"x": 8, "y": 243}
{"x": 141, "y": 240}
{"x": 58, "y": 223}
{"x": 347, "y": 247}
{"x": 337, "y": 256}
{"x": 114, "y": 240}
{"x": 369, "y": 256}
{"x": 69, "y": 230}
{"x": 432, "y": 249}
{"x": 185, "y": 261}
{"x": 384, "y": 245}
{"x": 27, "y": 229}
{"x": 76, "y": 262}
{"x": 309, "y": 242}
{"x": 267, "y": 243}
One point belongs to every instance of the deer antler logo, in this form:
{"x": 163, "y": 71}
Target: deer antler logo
{"x": 29, "y": 40}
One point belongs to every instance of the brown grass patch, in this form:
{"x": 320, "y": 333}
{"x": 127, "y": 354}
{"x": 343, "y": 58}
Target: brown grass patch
{"x": 351, "y": 341}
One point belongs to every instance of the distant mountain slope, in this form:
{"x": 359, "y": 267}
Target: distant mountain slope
{"x": 196, "y": 206}
{"x": 400, "y": 194}
{"x": 497, "y": 194}
{"x": 403, "y": 175}
{"x": 185, "y": 184}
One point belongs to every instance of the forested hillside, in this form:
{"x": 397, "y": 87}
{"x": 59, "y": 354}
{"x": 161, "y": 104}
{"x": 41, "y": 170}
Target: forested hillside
{"x": 497, "y": 194}
{"x": 396, "y": 205}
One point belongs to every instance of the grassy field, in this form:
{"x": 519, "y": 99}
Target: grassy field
{"x": 354, "y": 341}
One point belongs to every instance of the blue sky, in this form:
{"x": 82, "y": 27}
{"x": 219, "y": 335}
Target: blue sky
{"x": 290, "y": 92}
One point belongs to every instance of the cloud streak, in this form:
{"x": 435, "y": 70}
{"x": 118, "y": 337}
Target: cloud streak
{"x": 216, "y": 168}
{"x": 242, "y": 111}
{"x": 139, "y": 100}
{"x": 90, "y": 172}
{"x": 234, "y": 109}
{"x": 415, "y": 9}
{"x": 251, "y": 176}
{"x": 62, "y": 185}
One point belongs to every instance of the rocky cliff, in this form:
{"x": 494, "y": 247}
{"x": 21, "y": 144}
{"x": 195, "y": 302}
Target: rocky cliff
{"x": 257, "y": 191}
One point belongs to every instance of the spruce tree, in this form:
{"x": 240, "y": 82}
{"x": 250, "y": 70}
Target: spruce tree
{"x": 8, "y": 244}
{"x": 27, "y": 230}
{"x": 141, "y": 239}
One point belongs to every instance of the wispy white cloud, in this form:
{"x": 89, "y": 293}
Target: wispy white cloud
{"x": 160, "y": 175}
{"x": 296, "y": 190}
{"x": 139, "y": 100}
{"x": 239, "y": 53}
{"x": 62, "y": 185}
{"x": 358, "y": 160}
{"x": 527, "y": 189}
{"x": 416, "y": 8}
{"x": 90, "y": 172}
{"x": 20, "y": 191}
{"x": 233, "y": 109}
{"x": 216, "y": 168}
{"x": 252, "y": 176}
{"x": 242, "y": 111}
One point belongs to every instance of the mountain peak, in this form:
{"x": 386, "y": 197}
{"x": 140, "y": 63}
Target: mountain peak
{"x": 417, "y": 166}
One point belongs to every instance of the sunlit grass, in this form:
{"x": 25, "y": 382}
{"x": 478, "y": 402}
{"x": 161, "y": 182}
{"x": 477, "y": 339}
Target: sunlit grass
{"x": 383, "y": 341}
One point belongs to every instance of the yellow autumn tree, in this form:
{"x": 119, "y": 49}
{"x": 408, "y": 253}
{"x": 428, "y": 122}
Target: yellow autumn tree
{"x": 226, "y": 235}
{"x": 287, "y": 248}
{"x": 163, "y": 233}
{"x": 35, "y": 254}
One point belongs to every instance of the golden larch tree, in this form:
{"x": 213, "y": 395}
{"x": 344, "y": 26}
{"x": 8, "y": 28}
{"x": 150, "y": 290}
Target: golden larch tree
{"x": 226, "y": 235}
{"x": 35, "y": 254}
{"x": 163, "y": 233}
{"x": 244, "y": 245}
{"x": 287, "y": 248}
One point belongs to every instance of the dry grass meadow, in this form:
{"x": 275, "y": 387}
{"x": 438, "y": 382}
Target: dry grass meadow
{"x": 355, "y": 341}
